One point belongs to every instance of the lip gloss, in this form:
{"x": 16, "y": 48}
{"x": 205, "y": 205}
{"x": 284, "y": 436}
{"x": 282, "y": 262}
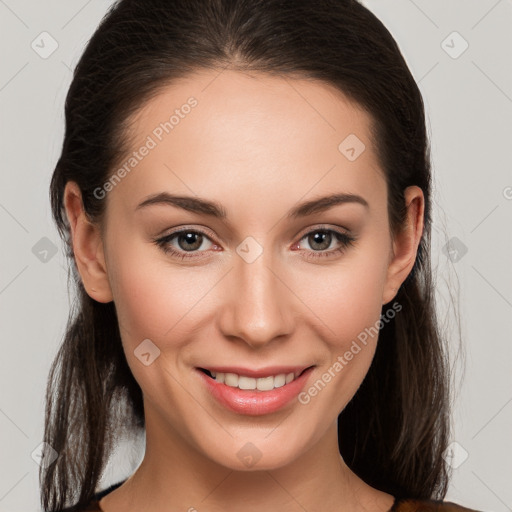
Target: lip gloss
{"x": 254, "y": 402}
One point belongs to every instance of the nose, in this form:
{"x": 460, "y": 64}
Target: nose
{"x": 257, "y": 306}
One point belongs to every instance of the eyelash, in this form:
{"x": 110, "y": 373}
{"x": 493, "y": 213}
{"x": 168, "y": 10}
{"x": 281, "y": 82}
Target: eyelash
{"x": 344, "y": 239}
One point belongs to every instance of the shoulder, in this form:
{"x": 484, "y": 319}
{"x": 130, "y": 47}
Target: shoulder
{"x": 414, "y": 505}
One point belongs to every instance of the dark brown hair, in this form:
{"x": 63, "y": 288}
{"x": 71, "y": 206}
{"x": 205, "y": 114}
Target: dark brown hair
{"x": 394, "y": 431}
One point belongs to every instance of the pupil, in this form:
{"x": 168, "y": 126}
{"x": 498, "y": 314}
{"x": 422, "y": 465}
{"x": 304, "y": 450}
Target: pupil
{"x": 192, "y": 244}
{"x": 320, "y": 237}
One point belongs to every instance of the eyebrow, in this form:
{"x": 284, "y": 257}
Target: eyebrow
{"x": 207, "y": 207}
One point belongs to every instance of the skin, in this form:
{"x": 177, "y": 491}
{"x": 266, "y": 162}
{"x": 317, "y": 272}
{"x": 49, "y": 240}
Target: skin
{"x": 258, "y": 145}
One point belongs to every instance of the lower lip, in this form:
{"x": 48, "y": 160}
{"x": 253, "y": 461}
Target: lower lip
{"x": 251, "y": 402}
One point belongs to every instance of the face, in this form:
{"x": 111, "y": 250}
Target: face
{"x": 251, "y": 270}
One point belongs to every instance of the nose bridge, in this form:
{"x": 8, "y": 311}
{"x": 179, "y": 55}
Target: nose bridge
{"x": 257, "y": 308}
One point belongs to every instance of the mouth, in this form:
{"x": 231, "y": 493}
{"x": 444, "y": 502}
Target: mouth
{"x": 255, "y": 392}
{"x": 255, "y": 380}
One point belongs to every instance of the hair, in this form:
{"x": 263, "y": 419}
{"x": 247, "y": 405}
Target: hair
{"x": 394, "y": 431}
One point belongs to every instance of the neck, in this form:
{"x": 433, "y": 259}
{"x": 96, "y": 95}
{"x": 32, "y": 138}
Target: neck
{"x": 174, "y": 476}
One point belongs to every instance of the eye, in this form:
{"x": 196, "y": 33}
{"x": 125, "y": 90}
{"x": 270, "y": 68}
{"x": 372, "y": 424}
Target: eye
{"x": 321, "y": 239}
{"x": 184, "y": 241}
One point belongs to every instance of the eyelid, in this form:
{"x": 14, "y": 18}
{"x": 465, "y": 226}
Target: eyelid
{"x": 164, "y": 243}
{"x": 205, "y": 231}
{"x": 187, "y": 227}
{"x": 344, "y": 237}
{"x": 320, "y": 227}
{"x": 195, "y": 255}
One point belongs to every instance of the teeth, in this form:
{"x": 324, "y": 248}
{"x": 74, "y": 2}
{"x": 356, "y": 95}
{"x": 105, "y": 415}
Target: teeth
{"x": 262, "y": 384}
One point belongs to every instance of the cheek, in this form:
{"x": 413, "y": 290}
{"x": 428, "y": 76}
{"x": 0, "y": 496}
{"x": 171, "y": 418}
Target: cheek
{"x": 154, "y": 300}
{"x": 347, "y": 296}
{"x": 157, "y": 303}
{"x": 351, "y": 312}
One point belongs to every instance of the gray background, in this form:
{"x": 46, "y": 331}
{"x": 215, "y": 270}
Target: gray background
{"x": 468, "y": 96}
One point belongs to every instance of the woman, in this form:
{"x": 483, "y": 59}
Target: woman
{"x": 244, "y": 191}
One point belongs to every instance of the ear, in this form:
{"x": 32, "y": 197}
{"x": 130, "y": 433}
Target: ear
{"x": 405, "y": 243}
{"x": 87, "y": 246}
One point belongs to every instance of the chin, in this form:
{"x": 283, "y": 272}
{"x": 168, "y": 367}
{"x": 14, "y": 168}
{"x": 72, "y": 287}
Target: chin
{"x": 269, "y": 452}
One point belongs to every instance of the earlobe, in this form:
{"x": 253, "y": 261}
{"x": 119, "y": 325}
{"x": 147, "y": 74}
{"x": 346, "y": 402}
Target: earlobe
{"x": 405, "y": 243}
{"x": 87, "y": 246}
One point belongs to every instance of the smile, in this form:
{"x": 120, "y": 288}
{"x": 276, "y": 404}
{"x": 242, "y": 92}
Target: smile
{"x": 255, "y": 392}
{"x": 235, "y": 380}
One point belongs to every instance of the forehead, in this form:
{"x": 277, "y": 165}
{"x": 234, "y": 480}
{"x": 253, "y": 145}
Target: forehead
{"x": 216, "y": 132}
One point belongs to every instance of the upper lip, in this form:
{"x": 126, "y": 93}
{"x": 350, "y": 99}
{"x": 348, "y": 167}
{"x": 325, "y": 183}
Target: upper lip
{"x": 261, "y": 372}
